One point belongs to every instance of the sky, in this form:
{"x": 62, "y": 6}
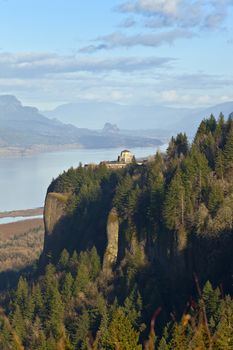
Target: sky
{"x": 148, "y": 52}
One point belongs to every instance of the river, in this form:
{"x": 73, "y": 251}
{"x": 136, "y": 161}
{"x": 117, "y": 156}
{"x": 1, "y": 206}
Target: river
{"x": 24, "y": 180}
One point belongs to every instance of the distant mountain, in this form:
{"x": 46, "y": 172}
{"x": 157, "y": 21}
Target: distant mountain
{"x": 162, "y": 120}
{"x": 25, "y": 127}
{"x": 93, "y": 115}
{"x": 190, "y": 122}
{"x": 124, "y": 126}
{"x": 110, "y": 128}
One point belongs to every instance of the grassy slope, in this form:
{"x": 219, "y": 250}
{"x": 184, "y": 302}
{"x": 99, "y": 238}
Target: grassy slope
{"x": 20, "y": 244}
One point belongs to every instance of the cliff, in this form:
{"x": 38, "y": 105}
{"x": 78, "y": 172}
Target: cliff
{"x": 169, "y": 216}
{"x": 54, "y": 214}
{"x": 111, "y": 252}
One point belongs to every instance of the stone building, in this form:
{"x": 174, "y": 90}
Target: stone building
{"x": 126, "y": 157}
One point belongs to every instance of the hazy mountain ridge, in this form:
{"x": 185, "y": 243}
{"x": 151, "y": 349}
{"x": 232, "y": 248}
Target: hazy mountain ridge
{"x": 161, "y": 119}
{"x": 26, "y": 127}
{"x": 94, "y": 115}
{"x": 23, "y": 127}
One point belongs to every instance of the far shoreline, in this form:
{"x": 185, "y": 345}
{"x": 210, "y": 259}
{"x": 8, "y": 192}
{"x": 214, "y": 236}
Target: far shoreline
{"x": 19, "y": 152}
{"x": 12, "y": 152}
{"x": 22, "y": 213}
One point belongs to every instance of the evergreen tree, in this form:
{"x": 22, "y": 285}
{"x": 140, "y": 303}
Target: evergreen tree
{"x": 179, "y": 340}
{"x": 224, "y": 333}
{"x": 21, "y": 294}
{"x": 82, "y": 333}
{"x": 219, "y": 164}
{"x": 67, "y": 288}
{"x": 216, "y": 197}
{"x": 121, "y": 335}
{"x": 54, "y": 322}
{"x": 228, "y": 150}
{"x": 163, "y": 344}
{"x": 174, "y": 208}
{"x": 82, "y": 279}
{"x": 64, "y": 260}
{"x": 95, "y": 264}
{"x": 211, "y": 298}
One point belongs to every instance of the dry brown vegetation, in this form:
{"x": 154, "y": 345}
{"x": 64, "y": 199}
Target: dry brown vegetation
{"x": 20, "y": 244}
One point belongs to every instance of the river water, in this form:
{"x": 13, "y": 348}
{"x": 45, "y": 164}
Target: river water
{"x": 24, "y": 180}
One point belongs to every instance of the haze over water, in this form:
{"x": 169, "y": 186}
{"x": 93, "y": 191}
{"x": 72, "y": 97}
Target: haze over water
{"x": 24, "y": 180}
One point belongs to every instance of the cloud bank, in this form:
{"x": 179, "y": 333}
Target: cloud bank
{"x": 39, "y": 65}
{"x": 119, "y": 39}
{"x": 179, "y": 13}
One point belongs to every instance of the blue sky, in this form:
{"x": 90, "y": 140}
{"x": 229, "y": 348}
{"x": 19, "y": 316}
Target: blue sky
{"x": 169, "y": 52}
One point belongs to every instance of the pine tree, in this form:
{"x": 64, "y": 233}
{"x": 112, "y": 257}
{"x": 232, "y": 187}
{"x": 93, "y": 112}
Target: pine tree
{"x": 82, "y": 279}
{"x": 101, "y": 341}
{"x": 228, "y": 150}
{"x": 5, "y": 334}
{"x": 163, "y": 344}
{"x": 73, "y": 262}
{"x": 38, "y": 336}
{"x": 18, "y": 323}
{"x": 64, "y": 260}
{"x": 219, "y": 164}
{"x": 38, "y": 300}
{"x": 179, "y": 340}
{"x": 95, "y": 264}
{"x": 122, "y": 335}
{"x": 133, "y": 309}
{"x": 21, "y": 294}
{"x": 211, "y": 298}
{"x": 219, "y": 131}
{"x": 67, "y": 288}
{"x": 82, "y": 333}
{"x": 224, "y": 334}
{"x": 51, "y": 343}
{"x": 55, "y": 313}
{"x": 174, "y": 206}
{"x": 216, "y": 197}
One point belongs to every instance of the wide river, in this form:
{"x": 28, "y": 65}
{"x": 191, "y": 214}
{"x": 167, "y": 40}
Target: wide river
{"x": 24, "y": 180}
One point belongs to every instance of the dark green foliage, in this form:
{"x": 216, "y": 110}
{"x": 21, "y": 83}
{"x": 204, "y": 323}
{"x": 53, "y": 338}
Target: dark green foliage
{"x": 82, "y": 333}
{"x": 175, "y": 218}
{"x": 121, "y": 334}
{"x": 64, "y": 260}
{"x": 178, "y": 146}
{"x": 174, "y": 206}
{"x": 228, "y": 150}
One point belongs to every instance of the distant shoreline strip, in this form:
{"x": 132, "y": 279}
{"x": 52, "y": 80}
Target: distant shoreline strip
{"x": 22, "y": 213}
{"x": 10, "y": 220}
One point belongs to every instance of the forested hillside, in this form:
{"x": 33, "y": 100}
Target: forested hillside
{"x": 136, "y": 258}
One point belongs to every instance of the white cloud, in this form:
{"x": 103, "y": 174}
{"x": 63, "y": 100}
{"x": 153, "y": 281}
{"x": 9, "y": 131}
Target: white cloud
{"x": 34, "y": 65}
{"x": 53, "y": 79}
{"x": 119, "y": 39}
{"x": 152, "y": 6}
{"x": 180, "y": 13}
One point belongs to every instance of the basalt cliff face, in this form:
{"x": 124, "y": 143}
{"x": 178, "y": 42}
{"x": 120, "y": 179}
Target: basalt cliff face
{"x": 54, "y": 222}
{"x": 79, "y": 221}
{"x": 57, "y": 223}
{"x": 54, "y": 210}
{"x": 111, "y": 252}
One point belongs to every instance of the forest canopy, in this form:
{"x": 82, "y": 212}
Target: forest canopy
{"x": 170, "y": 286}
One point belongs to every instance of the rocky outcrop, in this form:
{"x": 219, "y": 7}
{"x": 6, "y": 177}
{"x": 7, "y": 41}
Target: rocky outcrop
{"x": 110, "y": 256}
{"x": 54, "y": 209}
{"x": 54, "y": 212}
